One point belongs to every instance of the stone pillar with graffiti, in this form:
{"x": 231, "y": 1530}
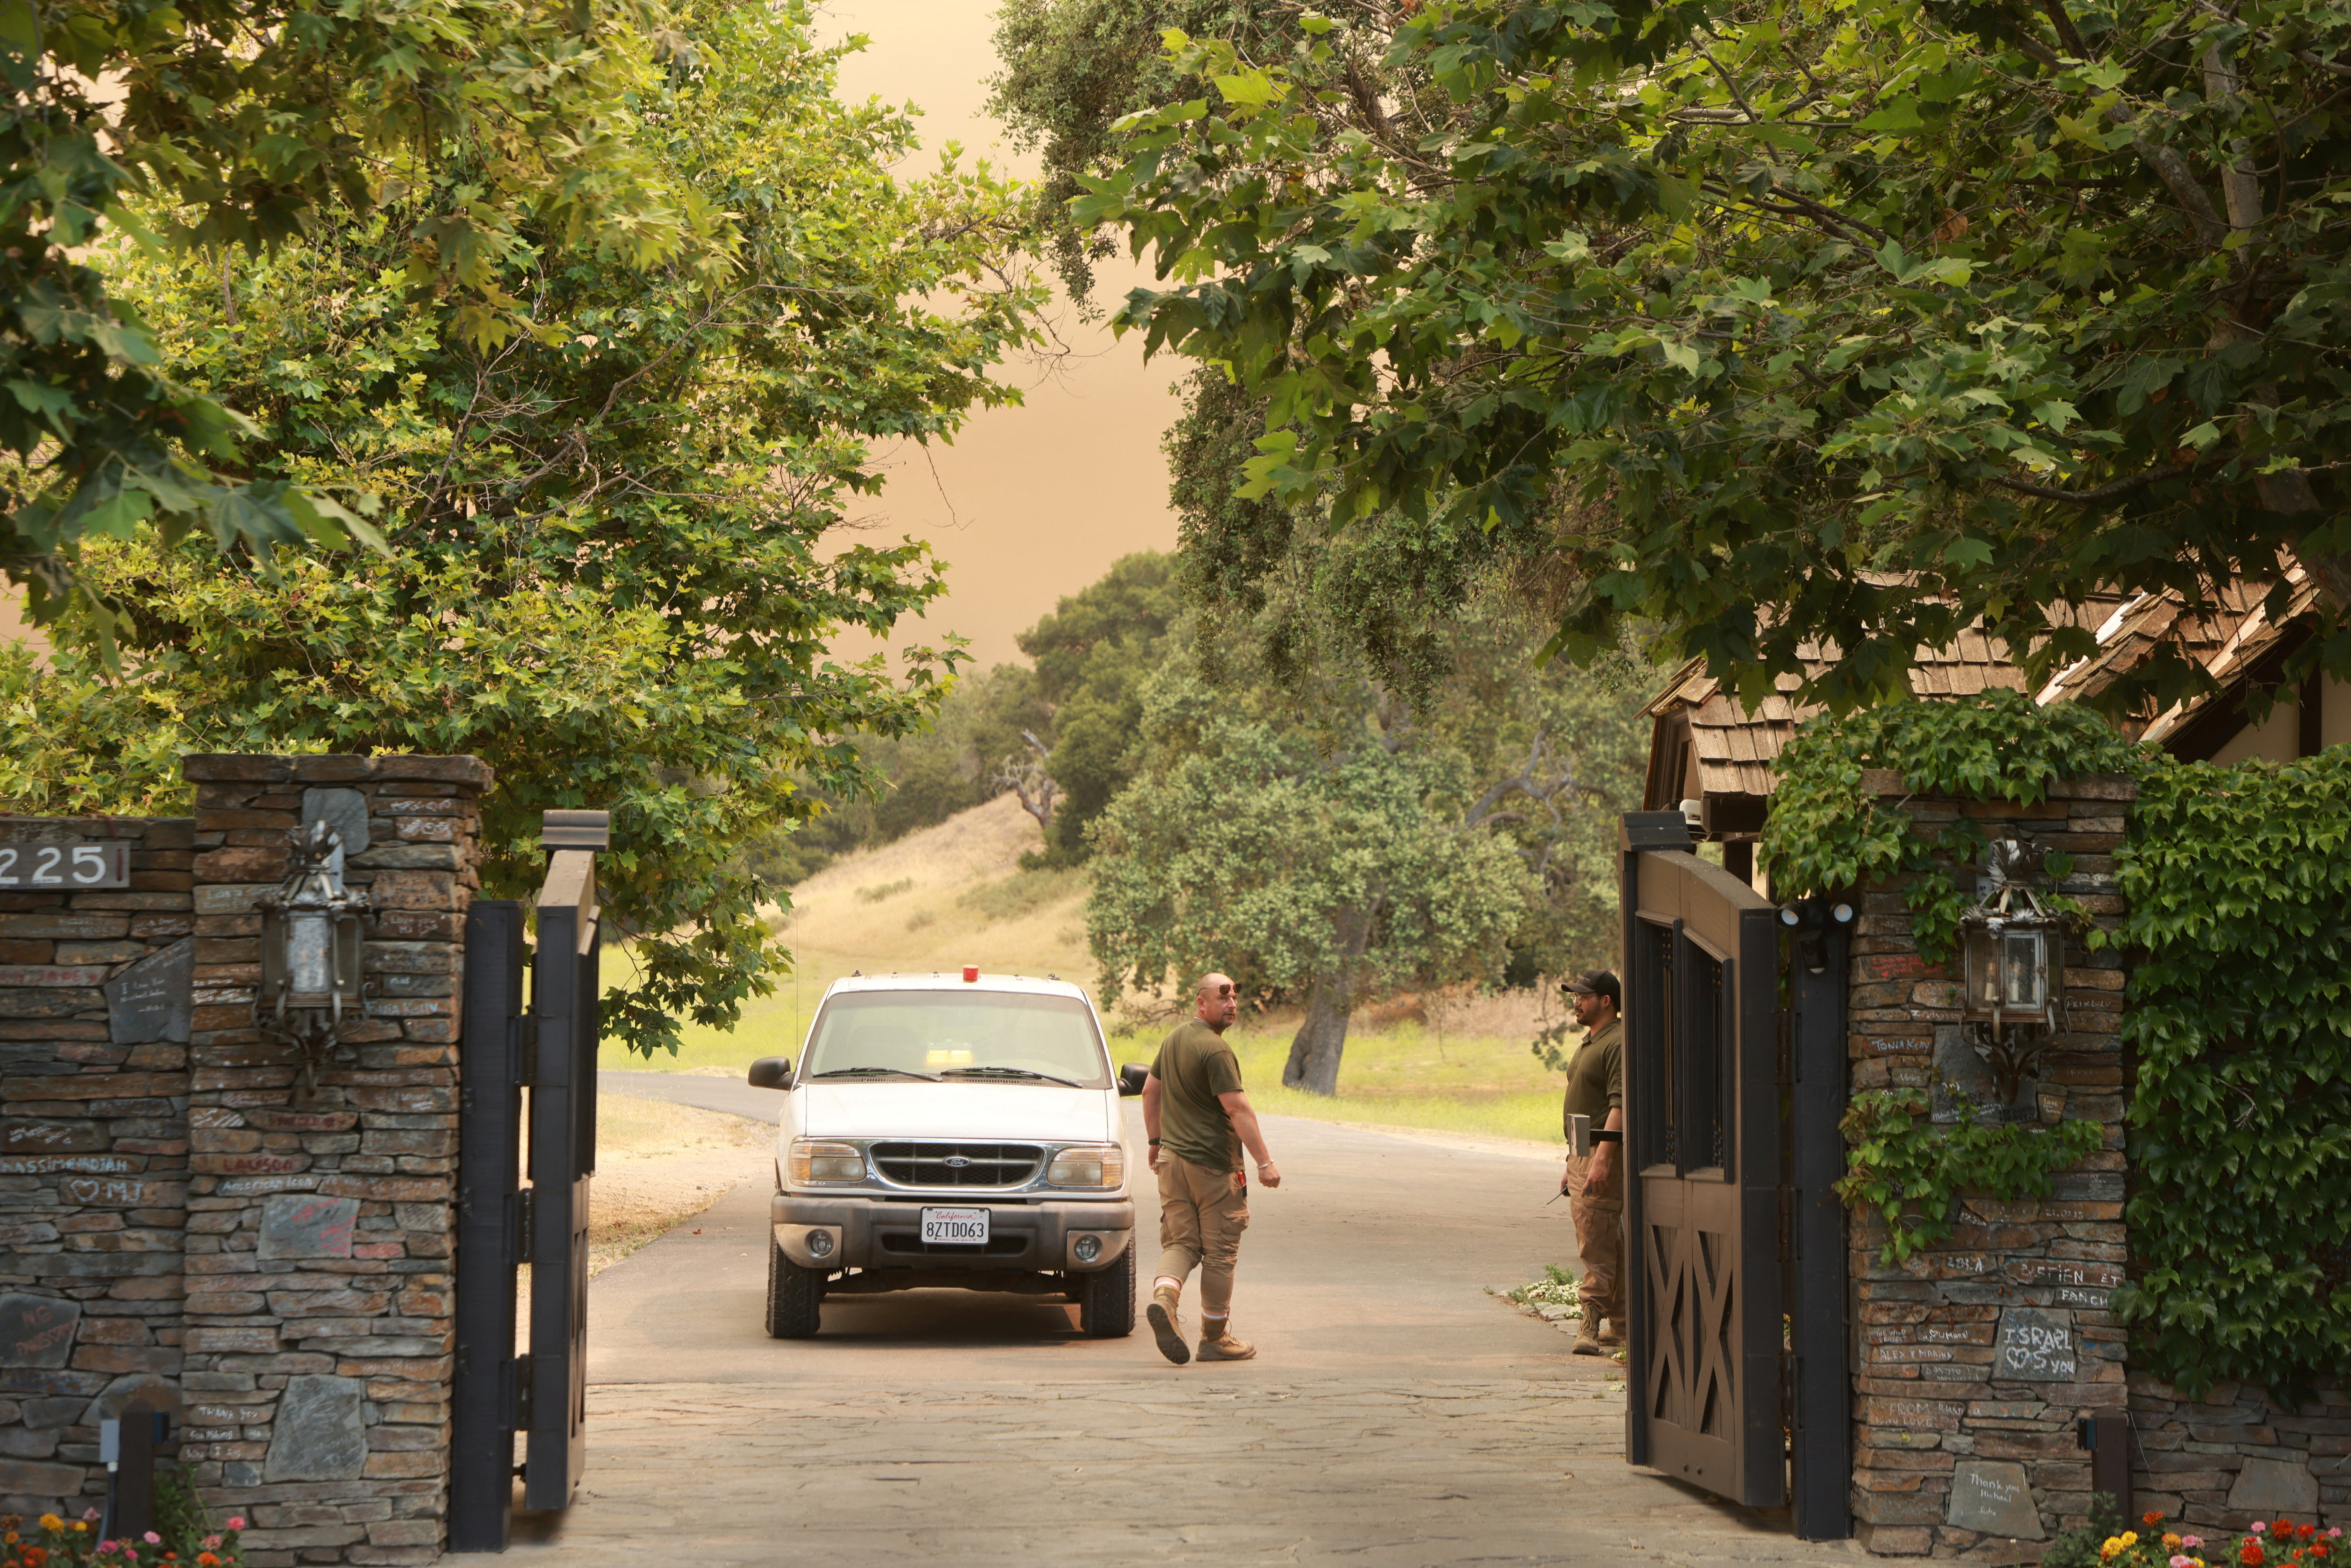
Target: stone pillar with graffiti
{"x": 95, "y": 960}
{"x": 1977, "y": 1358}
{"x": 323, "y": 1170}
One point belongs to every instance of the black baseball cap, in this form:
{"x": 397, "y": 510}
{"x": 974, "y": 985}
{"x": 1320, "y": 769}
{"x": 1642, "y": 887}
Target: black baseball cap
{"x": 1597, "y": 983}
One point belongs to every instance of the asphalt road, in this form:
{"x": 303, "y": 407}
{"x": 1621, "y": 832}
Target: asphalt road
{"x": 1398, "y": 1416}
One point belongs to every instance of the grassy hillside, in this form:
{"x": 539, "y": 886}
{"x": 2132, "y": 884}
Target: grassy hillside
{"x": 956, "y": 894}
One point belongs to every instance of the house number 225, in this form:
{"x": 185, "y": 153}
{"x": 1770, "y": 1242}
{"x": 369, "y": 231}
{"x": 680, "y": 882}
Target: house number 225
{"x": 68, "y": 866}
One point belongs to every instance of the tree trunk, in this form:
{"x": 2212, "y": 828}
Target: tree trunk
{"x": 1313, "y": 1063}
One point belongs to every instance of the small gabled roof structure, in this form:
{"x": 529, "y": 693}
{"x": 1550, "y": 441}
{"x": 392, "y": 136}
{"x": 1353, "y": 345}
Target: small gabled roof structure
{"x": 1708, "y": 747}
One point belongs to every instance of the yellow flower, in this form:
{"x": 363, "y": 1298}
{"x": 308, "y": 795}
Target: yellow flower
{"x": 82, "y": 1526}
{"x": 51, "y": 1521}
{"x": 2170, "y": 1541}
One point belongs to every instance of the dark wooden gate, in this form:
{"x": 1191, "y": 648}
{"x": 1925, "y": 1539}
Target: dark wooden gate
{"x": 547, "y": 1047}
{"x": 1735, "y": 1082}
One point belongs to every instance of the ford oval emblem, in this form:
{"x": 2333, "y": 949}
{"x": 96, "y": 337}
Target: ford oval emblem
{"x": 954, "y": 1162}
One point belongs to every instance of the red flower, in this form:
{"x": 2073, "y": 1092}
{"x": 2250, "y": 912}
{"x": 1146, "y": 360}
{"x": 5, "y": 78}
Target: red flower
{"x": 2252, "y": 1555}
{"x": 2150, "y": 1517}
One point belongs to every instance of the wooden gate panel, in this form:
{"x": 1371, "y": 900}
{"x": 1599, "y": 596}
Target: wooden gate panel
{"x": 1704, "y": 1142}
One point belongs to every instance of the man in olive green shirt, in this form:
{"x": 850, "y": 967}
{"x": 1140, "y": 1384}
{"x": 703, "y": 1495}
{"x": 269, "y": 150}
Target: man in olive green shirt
{"x": 1594, "y": 1184}
{"x": 1197, "y": 1119}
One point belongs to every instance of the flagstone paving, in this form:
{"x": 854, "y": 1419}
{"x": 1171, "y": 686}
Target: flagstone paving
{"x": 1398, "y": 1414}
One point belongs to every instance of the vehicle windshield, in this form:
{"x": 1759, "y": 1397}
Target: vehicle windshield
{"x": 971, "y": 1036}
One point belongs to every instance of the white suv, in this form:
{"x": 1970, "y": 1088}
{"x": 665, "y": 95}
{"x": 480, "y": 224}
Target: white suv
{"x": 946, "y": 1130}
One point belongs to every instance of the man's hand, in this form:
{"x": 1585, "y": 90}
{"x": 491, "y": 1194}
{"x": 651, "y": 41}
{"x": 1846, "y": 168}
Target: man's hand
{"x": 1269, "y": 1175}
{"x": 1604, "y": 1160}
{"x": 1152, "y": 1159}
{"x": 1564, "y": 1177}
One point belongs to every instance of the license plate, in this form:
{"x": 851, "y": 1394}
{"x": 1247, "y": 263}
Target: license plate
{"x": 955, "y": 1227}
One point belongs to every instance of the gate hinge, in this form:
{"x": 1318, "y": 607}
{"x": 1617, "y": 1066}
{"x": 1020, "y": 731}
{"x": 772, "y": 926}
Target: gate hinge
{"x": 522, "y": 1045}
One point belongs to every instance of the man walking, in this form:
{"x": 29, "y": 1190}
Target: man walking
{"x": 1594, "y": 1183}
{"x": 1197, "y": 1119}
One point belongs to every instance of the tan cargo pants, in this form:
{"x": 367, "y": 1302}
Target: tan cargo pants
{"x": 1599, "y": 1219}
{"x": 1202, "y": 1214}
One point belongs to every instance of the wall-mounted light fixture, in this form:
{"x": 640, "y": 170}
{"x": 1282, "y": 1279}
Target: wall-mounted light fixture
{"x": 2013, "y": 987}
{"x": 311, "y": 984}
{"x": 1811, "y": 920}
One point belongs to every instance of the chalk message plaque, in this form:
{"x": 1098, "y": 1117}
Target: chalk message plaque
{"x": 154, "y": 998}
{"x": 37, "y": 1331}
{"x": 2034, "y": 1346}
{"x": 71, "y": 866}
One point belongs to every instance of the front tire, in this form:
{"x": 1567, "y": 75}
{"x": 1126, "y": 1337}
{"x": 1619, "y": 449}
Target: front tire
{"x": 1106, "y": 1299}
{"x": 795, "y": 1295}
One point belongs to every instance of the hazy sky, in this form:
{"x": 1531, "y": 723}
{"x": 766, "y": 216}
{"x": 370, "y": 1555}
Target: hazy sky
{"x": 1035, "y": 502}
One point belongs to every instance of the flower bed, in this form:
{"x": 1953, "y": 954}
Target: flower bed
{"x": 2272, "y": 1543}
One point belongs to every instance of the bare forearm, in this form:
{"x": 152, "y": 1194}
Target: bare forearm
{"x": 1151, "y": 1108}
{"x": 1252, "y": 1139}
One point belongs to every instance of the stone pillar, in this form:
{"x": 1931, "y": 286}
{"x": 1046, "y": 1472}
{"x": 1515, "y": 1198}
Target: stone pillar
{"x": 93, "y": 1148}
{"x": 1977, "y": 1357}
{"x": 320, "y": 1303}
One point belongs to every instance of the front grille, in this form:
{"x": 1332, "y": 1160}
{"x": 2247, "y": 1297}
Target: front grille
{"x": 997, "y": 1165}
{"x": 906, "y": 1243}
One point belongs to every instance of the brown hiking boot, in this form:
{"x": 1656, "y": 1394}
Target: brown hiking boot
{"x": 1223, "y": 1347}
{"x": 1586, "y": 1342}
{"x": 1613, "y": 1334}
{"x": 1166, "y": 1326}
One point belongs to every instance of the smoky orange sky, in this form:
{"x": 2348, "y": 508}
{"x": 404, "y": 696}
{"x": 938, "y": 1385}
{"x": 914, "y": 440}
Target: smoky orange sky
{"x": 1034, "y": 502}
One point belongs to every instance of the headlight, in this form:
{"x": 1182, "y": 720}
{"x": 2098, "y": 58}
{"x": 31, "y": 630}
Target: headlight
{"x": 813, "y": 1164}
{"x": 1087, "y": 1248}
{"x": 1102, "y": 1166}
{"x": 819, "y": 1243}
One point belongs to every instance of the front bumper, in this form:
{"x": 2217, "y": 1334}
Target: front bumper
{"x": 878, "y": 1233}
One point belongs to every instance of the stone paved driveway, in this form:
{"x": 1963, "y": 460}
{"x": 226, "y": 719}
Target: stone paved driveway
{"x": 1398, "y": 1415}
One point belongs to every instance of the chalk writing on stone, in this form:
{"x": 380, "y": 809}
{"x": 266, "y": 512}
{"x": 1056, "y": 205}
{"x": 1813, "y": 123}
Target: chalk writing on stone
{"x": 253, "y": 1187}
{"x": 77, "y": 1385}
{"x": 1991, "y": 1495}
{"x": 2039, "y": 1272}
{"x": 37, "y": 1331}
{"x": 302, "y": 1225}
{"x": 48, "y": 1164}
{"x": 153, "y": 998}
{"x": 2035, "y": 1347}
{"x": 51, "y": 1138}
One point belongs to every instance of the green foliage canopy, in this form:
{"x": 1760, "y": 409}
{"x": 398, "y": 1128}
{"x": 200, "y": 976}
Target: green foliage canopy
{"x": 481, "y": 129}
{"x": 609, "y": 570}
{"x": 1773, "y": 323}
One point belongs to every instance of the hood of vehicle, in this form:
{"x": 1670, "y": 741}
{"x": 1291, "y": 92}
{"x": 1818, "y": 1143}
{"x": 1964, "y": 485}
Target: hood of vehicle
{"x": 975, "y": 1113}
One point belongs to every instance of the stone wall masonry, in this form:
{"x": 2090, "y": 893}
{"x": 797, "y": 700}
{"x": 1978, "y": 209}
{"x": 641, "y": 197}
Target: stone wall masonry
{"x": 1975, "y": 1358}
{"x": 2240, "y": 1454}
{"x": 93, "y": 1150}
{"x": 320, "y": 1286}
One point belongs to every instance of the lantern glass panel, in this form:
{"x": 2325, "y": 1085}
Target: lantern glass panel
{"x": 2024, "y": 970}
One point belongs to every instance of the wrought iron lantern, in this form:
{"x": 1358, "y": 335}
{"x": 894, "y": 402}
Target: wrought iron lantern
{"x": 2012, "y": 990}
{"x": 2014, "y": 948}
{"x": 310, "y": 947}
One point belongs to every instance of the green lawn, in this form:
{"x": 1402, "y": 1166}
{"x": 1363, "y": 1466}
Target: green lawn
{"x": 1405, "y": 1075}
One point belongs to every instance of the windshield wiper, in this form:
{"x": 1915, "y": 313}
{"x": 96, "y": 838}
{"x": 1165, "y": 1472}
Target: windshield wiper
{"x": 876, "y": 1071}
{"x": 1009, "y": 1072}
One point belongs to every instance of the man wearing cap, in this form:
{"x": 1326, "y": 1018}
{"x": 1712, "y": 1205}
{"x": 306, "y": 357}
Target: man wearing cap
{"x": 1594, "y": 1184}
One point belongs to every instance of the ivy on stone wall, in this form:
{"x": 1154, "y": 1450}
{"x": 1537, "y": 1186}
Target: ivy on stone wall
{"x": 2239, "y": 1020}
{"x": 1912, "y": 1171}
{"x": 1825, "y": 832}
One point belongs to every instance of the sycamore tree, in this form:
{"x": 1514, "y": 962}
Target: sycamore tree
{"x": 612, "y": 565}
{"x": 1325, "y": 839}
{"x": 1768, "y": 322}
{"x": 216, "y": 127}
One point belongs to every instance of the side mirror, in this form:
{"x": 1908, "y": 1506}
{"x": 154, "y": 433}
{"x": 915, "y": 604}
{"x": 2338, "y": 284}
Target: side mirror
{"x": 1130, "y": 1080}
{"x": 770, "y": 1073}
